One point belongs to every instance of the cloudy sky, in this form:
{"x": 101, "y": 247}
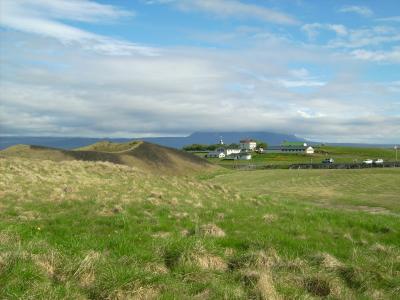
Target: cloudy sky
{"x": 324, "y": 70}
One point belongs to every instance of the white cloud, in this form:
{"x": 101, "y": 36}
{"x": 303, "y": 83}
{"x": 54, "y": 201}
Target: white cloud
{"x": 373, "y": 36}
{"x": 391, "y": 56}
{"x": 389, "y": 19}
{"x": 42, "y": 18}
{"x": 300, "y": 83}
{"x": 180, "y": 91}
{"x": 52, "y": 85}
{"x": 360, "y": 10}
{"x": 313, "y": 29}
{"x": 232, "y": 8}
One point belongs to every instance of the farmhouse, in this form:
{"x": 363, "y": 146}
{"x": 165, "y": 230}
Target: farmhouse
{"x": 290, "y": 147}
{"x": 239, "y": 156}
{"x": 215, "y": 154}
{"x": 222, "y": 152}
{"x": 248, "y": 145}
{"x": 297, "y": 147}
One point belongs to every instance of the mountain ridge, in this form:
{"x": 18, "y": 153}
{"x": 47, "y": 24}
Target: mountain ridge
{"x": 174, "y": 142}
{"x": 273, "y": 139}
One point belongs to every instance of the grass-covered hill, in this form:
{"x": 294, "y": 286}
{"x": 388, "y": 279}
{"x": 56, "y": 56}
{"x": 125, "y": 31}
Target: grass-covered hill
{"x": 142, "y": 155}
{"x": 98, "y": 230}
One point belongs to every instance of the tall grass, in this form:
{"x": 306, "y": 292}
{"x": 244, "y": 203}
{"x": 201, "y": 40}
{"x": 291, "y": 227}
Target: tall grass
{"x": 85, "y": 230}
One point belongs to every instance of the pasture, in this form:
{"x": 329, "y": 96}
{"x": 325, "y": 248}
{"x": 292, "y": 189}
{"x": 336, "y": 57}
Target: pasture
{"x": 95, "y": 230}
{"x": 339, "y": 154}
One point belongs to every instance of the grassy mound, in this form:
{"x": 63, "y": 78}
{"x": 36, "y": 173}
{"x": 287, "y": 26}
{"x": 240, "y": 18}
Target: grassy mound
{"x": 96, "y": 230}
{"x": 145, "y": 156}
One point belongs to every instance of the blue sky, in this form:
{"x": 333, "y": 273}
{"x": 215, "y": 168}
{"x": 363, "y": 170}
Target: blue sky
{"x": 324, "y": 70}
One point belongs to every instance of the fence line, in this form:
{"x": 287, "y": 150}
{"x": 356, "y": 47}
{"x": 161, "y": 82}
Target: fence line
{"x": 313, "y": 166}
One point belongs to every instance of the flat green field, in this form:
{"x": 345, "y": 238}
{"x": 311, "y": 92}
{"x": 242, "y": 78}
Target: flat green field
{"x": 373, "y": 189}
{"x": 92, "y": 230}
{"x": 340, "y": 155}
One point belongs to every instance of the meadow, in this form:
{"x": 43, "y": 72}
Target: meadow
{"x": 339, "y": 154}
{"x": 97, "y": 230}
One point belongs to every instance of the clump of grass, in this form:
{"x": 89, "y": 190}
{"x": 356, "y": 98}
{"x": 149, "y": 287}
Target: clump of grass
{"x": 328, "y": 261}
{"x": 318, "y": 286}
{"x": 212, "y": 230}
{"x": 266, "y": 288}
{"x": 204, "y": 260}
{"x": 85, "y": 271}
{"x": 135, "y": 290}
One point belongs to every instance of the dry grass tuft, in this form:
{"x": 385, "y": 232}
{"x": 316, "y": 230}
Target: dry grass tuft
{"x": 262, "y": 283}
{"x": 265, "y": 286}
{"x": 348, "y": 236}
{"x": 297, "y": 264}
{"x": 185, "y": 232}
{"x": 380, "y": 248}
{"x": 135, "y": 292}
{"x": 156, "y": 268}
{"x": 212, "y": 230}
{"x": 210, "y": 262}
{"x": 161, "y": 234}
{"x": 108, "y": 212}
{"x": 86, "y": 269}
{"x": 5, "y": 259}
{"x": 180, "y": 215}
{"x": 265, "y": 259}
{"x": 220, "y": 216}
{"x": 156, "y": 194}
{"x": 317, "y": 286}
{"x": 268, "y": 218}
{"x": 8, "y": 238}
{"x": 117, "y": 209}
{"x": 174, "y": 201}
{"x": 203, "y": 295}
{"x": 328, "y": 261}
{"x": 229, "y": 252}
{"x": 47, "y": 263}
{"x": 201, "y": 258}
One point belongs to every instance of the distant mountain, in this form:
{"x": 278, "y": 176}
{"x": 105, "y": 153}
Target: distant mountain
{"x": 174, "y": 142}
{"x": 272, "y": 139}
{"x": 234, "y": 137}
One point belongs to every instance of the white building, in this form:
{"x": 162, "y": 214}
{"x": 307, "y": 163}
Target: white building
{"x": 244, "y": 156}
{"x": 227, "y": 151}
{"x": 215, "y": 154}
{"x": 297, "y": 147}
{"x": 248, "y": 145}
{"x": 231, "y": 151}
{"x": 309, "y": 150}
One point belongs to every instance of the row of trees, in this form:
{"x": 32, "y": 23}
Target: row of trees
{"x": 212, "y": 147}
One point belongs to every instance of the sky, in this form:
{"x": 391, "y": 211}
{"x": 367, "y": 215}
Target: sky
{"x": 323, "y": 70}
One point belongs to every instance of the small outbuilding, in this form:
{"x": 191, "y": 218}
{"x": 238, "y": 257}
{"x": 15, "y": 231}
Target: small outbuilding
{"x": 215, "y": 154}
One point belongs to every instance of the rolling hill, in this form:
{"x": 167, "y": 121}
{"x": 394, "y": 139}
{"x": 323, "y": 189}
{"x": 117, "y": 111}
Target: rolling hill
{"x": 141, "y": 155}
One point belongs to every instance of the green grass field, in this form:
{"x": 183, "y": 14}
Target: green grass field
{"x": 340, "y": 155}
{"x": 95, "y": 230}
